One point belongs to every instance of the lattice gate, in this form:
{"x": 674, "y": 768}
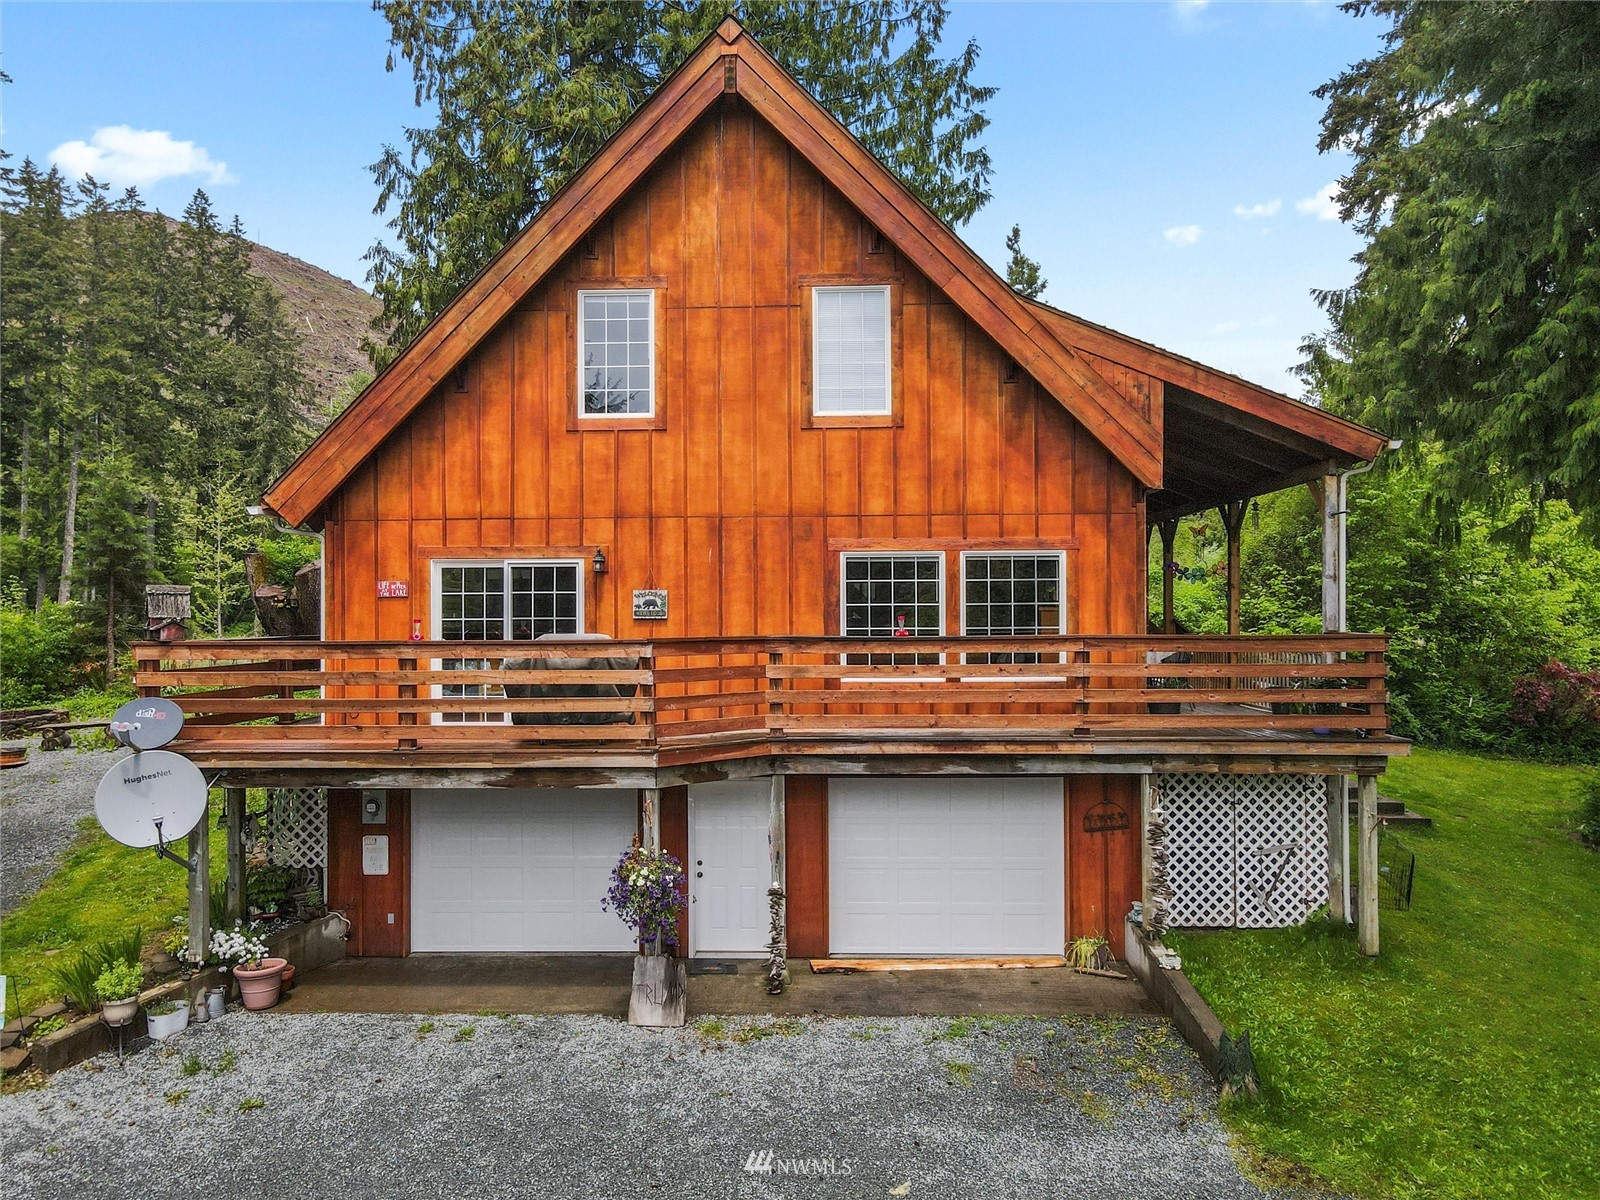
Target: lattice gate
{"x": 1246, "y": 851}
{"x": 297, "y": 828}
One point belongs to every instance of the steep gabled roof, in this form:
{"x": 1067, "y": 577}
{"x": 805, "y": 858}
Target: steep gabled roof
{"x": 728, "y": 62}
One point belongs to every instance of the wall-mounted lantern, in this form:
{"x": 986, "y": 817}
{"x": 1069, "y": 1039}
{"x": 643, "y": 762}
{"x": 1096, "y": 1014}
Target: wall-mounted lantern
{"x": 599, "y": 562}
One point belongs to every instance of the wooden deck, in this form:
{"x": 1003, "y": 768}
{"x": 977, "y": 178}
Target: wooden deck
{"x": 656, "y": 712}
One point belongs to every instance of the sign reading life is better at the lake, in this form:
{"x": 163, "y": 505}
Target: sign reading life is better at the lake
{"x": 393, "y": 589}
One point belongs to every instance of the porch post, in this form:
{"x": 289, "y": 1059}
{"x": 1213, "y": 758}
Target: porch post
{"x": 1169, "y": 536}
{"x": 1338, "y": 821}
{"x": 1145, "y": 898}
{"x": 200, "y": 889}
{"x": 1330, "y": 500}
{"x": 1233, "y": 521}
{"x": 233, "y": 812}
{"x": 775, "y": 829}
{"x": 650, "y": 818}
{"x": 1367, "y": 886}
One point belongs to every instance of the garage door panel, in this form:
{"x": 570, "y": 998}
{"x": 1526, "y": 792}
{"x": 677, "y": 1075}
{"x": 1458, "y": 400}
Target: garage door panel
{"x": 517, "y": 870}
{"x": 946, "y": 867}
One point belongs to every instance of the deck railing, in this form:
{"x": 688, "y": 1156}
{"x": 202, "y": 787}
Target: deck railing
{"x": 673, "y": 692}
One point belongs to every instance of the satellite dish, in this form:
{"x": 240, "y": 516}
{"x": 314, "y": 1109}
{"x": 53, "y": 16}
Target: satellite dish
{"x": 146, "y": 724}
{"x": 150, "y": 798}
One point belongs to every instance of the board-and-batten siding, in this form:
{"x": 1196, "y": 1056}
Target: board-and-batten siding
{"x": 734, "y": 504}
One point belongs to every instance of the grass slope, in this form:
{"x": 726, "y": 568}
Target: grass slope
{"x": 1465, "y": 1061}
{"x": 101, "y": 889}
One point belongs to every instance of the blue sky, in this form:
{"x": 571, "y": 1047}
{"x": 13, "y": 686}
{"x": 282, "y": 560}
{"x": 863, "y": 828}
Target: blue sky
{"x": 1160, "y": 157}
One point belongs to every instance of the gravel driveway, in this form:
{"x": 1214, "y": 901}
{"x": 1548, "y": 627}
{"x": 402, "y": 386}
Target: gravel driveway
{"x": 357, "y": 1105}
{"x": 41, "y": 803}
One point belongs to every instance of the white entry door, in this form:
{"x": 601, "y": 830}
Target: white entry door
{"x": 729, "y": 868}
{"x": 939, "y": 867}
{"x": 517, "y": 868}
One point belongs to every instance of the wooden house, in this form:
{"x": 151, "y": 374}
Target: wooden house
{"x": 869, "y": 534}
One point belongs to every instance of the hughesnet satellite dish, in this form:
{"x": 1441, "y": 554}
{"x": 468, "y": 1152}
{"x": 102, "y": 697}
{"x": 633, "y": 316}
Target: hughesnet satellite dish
{"x": 146, "y": 724}
{"x": 151, "y": 798}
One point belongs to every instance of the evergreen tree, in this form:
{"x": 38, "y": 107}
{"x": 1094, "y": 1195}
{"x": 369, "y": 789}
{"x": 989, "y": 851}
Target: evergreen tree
{"x": 115, "y": 544}
{"x": 527, "y": 91}
{"x": 1022, "y": 272}
{"x": 1473, "y": 327}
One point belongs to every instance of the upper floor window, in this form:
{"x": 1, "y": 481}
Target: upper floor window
{"x": 892, "y": 596}
{"x": 1010, "y": 595}
{"x": 616, "y": 353}
{"x": 850, "y": 351}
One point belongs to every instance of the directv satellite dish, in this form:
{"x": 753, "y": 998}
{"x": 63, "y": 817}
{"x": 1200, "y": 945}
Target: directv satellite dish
{"x": 151, "y": 798}
{"x": 146, "y": 724}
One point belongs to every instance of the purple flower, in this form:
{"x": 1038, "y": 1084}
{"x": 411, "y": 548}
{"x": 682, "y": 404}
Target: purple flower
{"x": 647, "y": 893}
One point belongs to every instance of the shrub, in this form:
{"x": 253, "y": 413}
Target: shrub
{"x": 119, "y": 981}
{"x": 77, "y": 976}
{"x": 45, "y": 652}
{"x": 1589, "y": 811}
{"x": 267, "y": 886}
{"x": 1560, "y": 706}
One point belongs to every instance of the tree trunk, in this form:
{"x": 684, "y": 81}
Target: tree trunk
{"x": 22, "y": 481}
{"x": 111, "y": 622}
{"x": 68, "y": 523}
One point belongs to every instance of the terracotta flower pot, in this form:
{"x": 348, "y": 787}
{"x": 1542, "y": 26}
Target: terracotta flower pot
{"x": 288, "y": 978}
{"x": 260, "y": 988}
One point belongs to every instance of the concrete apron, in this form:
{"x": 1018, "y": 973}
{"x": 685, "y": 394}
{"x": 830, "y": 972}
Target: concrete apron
{"x": 599, "y": 983}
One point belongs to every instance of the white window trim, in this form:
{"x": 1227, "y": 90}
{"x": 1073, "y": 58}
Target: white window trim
{"x": 437, "y": 568}
{"x": 1061, "y": 582}
{"x": 888, "y": 351}
{"x": 578, "y": 354}
{"x": 844, "y": 557}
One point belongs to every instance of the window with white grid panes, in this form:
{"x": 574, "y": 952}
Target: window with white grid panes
{"x": 516, "y": 601}
{"x": 616, "y": 353}
{"x": 1008, "y": 594}
{"x": 892, "y": 596}
{"x": 850, "y": 351}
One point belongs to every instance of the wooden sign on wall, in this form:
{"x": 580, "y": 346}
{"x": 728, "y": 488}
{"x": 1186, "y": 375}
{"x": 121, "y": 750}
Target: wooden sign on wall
{"x": 393, "y": 589}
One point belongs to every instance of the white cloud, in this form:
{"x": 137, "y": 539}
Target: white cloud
{"x": 1249, "y": 212}
{"x": 1188, "y": 10}
{"x": 1324, "y": 206}
{"x": 1182, "y": 235}
{"x": 124, "y": 156}
{"x": 1226, "y": 327}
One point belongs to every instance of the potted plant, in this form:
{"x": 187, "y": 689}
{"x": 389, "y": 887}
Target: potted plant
{"x": 118, "y": 990}
{"x": 647, "y": 893}
{"x": 1091, "y": 953}
{"x": 167, "y": 1018}
{"x": 266, "y": 888}
{"x": 243, "y": 951}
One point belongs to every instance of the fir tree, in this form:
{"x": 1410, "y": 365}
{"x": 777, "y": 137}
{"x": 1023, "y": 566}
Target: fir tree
{"x": 1022, "y": 272}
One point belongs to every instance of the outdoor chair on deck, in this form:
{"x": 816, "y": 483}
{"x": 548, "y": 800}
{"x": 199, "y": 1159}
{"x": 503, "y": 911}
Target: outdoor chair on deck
{"x": 532, "y": 691}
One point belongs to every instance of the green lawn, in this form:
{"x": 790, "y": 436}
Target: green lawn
{"x": 1465, "y": 1061}
{"x": 101, "y": 889}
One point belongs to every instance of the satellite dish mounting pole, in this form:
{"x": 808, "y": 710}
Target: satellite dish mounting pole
{"x": 163, "y": 850}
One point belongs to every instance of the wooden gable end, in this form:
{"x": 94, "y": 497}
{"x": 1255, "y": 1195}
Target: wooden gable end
{"x": 734, "y": 500}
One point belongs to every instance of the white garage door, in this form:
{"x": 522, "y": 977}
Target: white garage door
{"x": 514, "y": 869}
{"x": 945, "y": 867}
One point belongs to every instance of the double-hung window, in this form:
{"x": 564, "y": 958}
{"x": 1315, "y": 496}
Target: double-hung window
{"x": 892, "y": 596}
{"x": 502, "y": 601}
{"x": 850, "y": 369}
{"x": 1006, "y": 594}
{"x": 616, "y": 353}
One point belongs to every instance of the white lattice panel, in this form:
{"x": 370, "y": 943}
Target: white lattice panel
{"x": 1247, "y": 851}
{"x": 1282, "y": 848}
{"x": 297, "y": 827}
{"x": 1200, "y": 848}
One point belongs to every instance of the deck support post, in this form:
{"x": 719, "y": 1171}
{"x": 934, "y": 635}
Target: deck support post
{"x": 233, "y": 823}
{"x": 1367, "y": 885}
{"x": 1338, "y": 822}
{"x": 1145, "y": 898}
{"x": 1169, "y": 537}
{"x": 1233, "y": 522}
{"x": 200, "y": 889}
{"x": 1330, "y": 500}
{"x": 650, "y": 818}
{"x": 776, "y": 821}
